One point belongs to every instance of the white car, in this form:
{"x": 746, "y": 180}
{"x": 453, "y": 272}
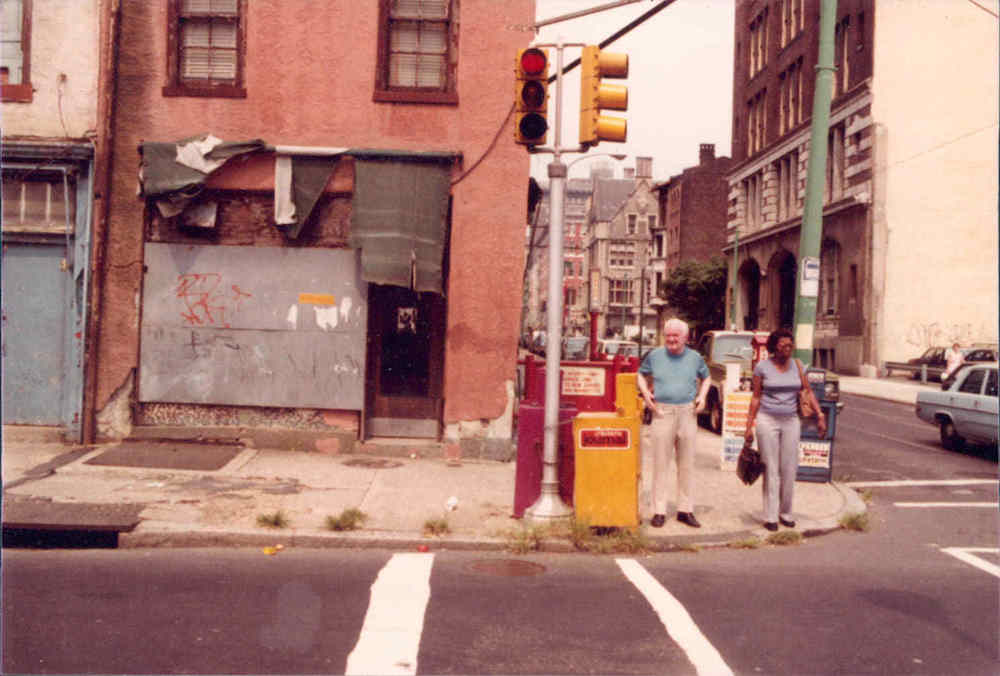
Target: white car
{"x": 966, "y": 411}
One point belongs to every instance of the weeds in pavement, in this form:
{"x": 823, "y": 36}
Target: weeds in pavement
{"x": 436, "y": 526}
{"x": 866, "y": 495}
{"x": 581, "y": 535}
{"x": 785, "y": 537}
{"x": 275, "y": 520}
{"x": 749, "y": 543}
{"x": 690, "y": 548}
{"x": 524, "y": 540}
{"x": 858, "y": 521}
{"x": 349, "y": 519}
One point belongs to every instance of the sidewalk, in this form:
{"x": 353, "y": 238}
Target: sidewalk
{"x": 50, "y": 485}
{"x": 195, "y": 495}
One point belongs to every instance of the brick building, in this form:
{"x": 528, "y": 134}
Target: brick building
{"x": 345, "y": 265}
{"x": 693, "y": 207}
{"x": 910, "y": 182}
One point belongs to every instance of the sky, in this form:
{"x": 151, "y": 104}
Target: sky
{"x": 680, "y": 81}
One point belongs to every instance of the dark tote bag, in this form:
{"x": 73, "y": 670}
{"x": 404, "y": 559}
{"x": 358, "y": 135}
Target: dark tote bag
{"x": 750, "y": 465}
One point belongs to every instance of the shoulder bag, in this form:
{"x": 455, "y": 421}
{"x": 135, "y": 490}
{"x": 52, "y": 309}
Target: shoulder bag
{"x": 806, "y": 408}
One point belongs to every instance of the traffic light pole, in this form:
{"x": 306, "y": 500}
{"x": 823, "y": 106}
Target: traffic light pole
{"x": 811, "y": 233}
{"x": 549, "y": 506}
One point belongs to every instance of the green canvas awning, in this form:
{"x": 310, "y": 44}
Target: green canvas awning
{"x": 399, "y": 221}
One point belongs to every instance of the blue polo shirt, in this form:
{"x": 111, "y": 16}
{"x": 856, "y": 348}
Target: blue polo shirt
{"x": 675, "y": 377}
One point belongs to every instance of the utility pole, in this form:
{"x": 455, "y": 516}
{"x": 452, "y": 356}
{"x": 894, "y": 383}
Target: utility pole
{"x": 811, "y": 232}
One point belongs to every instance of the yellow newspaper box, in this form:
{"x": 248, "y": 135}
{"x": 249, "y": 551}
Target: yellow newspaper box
{"x": 605, "y": 489}
{"x": 627, "y": 399}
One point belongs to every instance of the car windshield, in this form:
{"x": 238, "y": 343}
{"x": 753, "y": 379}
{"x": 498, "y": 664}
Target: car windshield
{"x": 732, "y": 347}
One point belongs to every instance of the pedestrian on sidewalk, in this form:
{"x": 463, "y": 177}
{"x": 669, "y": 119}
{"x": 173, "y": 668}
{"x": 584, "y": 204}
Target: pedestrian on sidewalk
{"x": 954, "y": 359}
{"x": 680, "y": 387}
{"x": 774, "y": 407}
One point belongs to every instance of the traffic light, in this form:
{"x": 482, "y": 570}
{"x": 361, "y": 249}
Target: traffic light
{"x": 596, "y": 95}
{"x": 531, "y": 96}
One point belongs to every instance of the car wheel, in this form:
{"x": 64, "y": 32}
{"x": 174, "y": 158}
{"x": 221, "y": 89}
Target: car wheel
{"x": 715, "y": 415}
{"x": 949, "y": 437}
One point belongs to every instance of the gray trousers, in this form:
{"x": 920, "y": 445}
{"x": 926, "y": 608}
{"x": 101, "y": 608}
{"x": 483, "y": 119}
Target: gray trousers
{"x": 778, "y": 441}
{"x": 668, "y": 440}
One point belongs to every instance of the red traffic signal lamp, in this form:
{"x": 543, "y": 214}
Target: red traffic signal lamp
{"x": 531, "y": 96}
{"x": 596, "y": 95}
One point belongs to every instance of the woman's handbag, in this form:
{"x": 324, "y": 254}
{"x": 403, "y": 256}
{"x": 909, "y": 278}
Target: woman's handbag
{"x": 750, "y": 464}
{"x": 806, "y": 409}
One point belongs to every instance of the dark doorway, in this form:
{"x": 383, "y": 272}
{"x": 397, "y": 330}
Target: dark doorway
{"x": 406, "y": 362}
{"x": 750, "y": 294}
{"x": 786, "y": 306}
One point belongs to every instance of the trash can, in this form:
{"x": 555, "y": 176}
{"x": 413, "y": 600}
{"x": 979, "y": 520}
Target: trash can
{"x": 606, "y": 485}
{"x": 531, "y": 454}
{"x": 815, "y": 451}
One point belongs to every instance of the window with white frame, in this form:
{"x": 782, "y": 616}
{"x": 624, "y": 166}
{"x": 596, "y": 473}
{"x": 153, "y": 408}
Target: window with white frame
{"x": 620, "y": 292}
{"x": 758, "y": 42}
{"x": 756, "y": 127}
{"x": 417, "y": 47}
{"x": 834, "y": 188}
{"x": 632, "y": 226}
{"x": 791, "y": 20}
{"x": 829, "y": 288}
{"x": 790, "y": 95}
{"x": 622, "y": 255}
{"x": 753, "y": 190}
{"x": 787, "y": 170}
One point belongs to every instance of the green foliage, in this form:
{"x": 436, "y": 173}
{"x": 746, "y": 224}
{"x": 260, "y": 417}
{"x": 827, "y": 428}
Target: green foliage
{"x": 785, "y": 537}
{"x": 856, "y": 521}
{"x": 275, "y": 520}
{"x": 349, "y": 519}
{"x": 436, "y": 526}
{"x": 697, "y": 291}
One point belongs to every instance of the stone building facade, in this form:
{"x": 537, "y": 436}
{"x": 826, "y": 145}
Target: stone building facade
{"x": 905, "y": 169}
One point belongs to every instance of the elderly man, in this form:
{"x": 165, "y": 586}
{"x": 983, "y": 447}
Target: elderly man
{"x": 680, "y": 386}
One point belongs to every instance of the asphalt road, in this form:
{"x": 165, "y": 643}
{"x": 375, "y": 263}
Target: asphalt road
{"x": 916, "y": 594}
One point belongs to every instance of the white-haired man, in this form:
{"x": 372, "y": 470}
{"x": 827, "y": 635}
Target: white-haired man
{"x": 680, "y": 386}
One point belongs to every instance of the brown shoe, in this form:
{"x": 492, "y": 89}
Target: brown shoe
{"x": 770, "y": 525}
{"x": 658, "y": 520}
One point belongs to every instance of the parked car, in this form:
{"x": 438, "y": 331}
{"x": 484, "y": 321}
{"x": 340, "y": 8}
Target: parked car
{"x": 970, "y": 355}
{"x": 576, "y": 348}
{"x": 610, "y": 348}
{"x": 966, "y": 411}
{"x": 932, "y": 358}
{"x": 719, "y": 348}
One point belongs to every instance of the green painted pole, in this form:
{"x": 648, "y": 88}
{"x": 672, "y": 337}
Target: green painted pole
{"x": 811, "y": 233}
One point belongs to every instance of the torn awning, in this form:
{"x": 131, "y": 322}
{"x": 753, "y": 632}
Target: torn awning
{"x": 399, "y": 221}
{"x": 173, "y": 174}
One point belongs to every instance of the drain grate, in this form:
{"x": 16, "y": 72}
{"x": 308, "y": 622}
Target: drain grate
{"x": 372, "y": 463}
{"x": 506, "y": 567}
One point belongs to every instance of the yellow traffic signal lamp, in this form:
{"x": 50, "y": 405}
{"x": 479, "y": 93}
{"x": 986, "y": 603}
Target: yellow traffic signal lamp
{"x": 596, "y": 95}
{"x": 531, "y": 96}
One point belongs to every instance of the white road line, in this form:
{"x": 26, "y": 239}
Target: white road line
{"x": 966, "y": 554}
{"x": 922, "y": 447}
{"x": 390, "y": 636}
{"x": 921, "y": 482}
{"x": 994, "y": 505}
{"x": 703, "y": 655}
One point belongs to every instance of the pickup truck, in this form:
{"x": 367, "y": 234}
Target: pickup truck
{"x": 719, "y": 348}
{"x": 966, "y": 411}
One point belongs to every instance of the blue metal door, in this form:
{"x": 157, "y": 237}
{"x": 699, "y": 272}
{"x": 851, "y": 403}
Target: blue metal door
{"x": 35, "y": 309}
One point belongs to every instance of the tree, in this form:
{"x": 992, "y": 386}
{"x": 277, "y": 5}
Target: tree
{"x": 697, "y": 292}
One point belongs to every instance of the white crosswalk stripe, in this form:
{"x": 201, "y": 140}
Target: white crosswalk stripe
{"x": 706, "y": 659}
{"x": 394, "y": 622}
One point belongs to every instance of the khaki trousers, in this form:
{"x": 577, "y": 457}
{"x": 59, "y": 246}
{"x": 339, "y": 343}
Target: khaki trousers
{"x": 669, "y": 439}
